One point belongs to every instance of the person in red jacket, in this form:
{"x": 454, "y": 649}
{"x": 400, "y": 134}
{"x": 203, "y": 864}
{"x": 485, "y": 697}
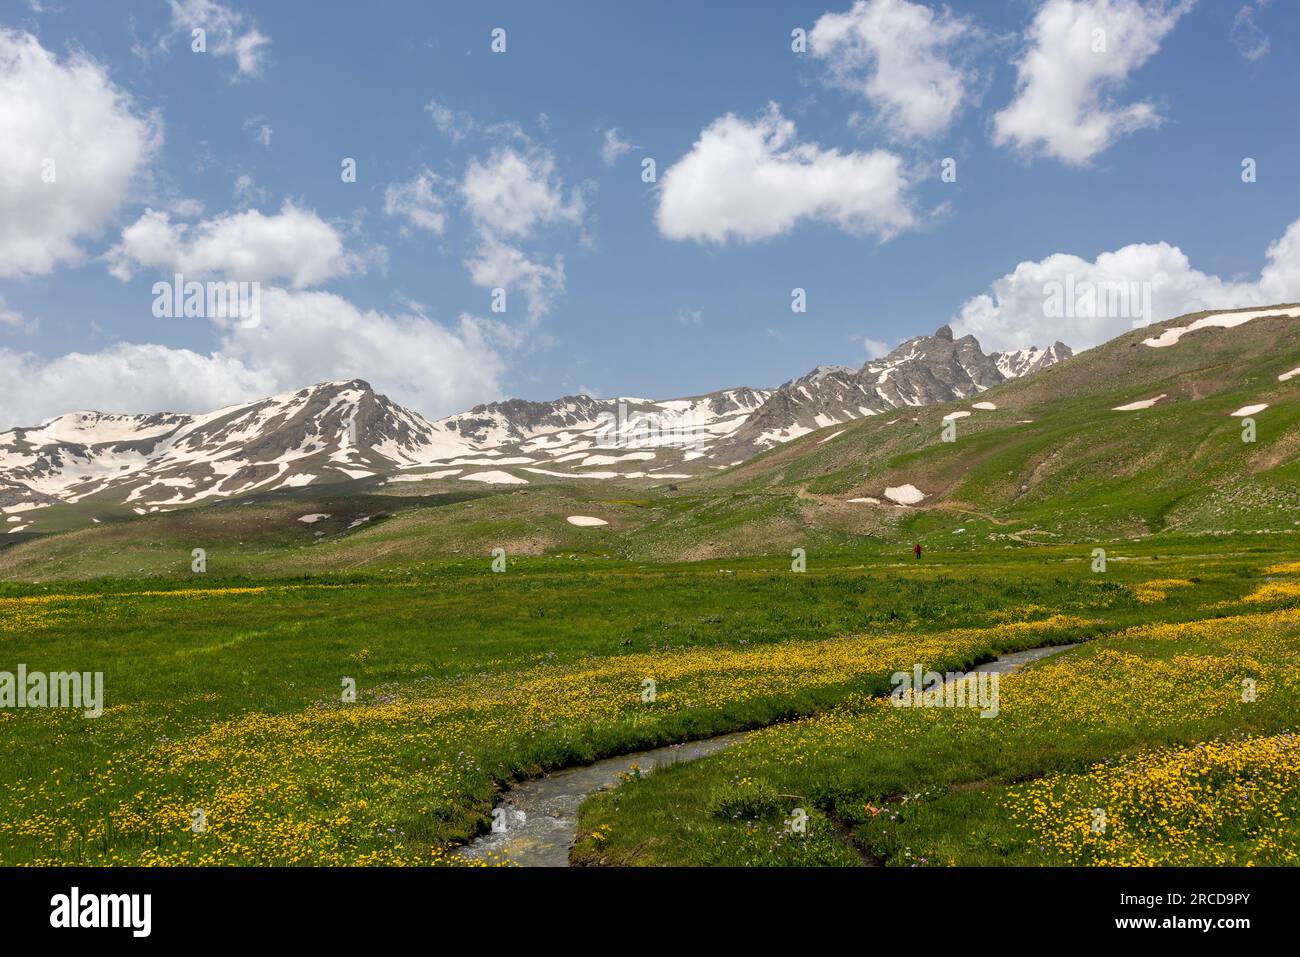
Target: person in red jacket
{"x": 917, "y": 549}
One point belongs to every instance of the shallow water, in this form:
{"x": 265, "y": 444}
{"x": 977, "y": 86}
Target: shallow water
{"x": 540, "y": 816}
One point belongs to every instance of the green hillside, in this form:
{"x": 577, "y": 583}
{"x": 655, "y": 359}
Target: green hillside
{"x": 1056, "y": 456}
{"x": 1054, "y": 462}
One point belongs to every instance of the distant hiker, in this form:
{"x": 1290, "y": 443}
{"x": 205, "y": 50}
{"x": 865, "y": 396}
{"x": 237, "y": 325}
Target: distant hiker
{"x": 917, "y": 549}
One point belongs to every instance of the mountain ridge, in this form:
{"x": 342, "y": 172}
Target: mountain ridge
{"x": 343, "y": 430}
{"x": 1189, "y": 427}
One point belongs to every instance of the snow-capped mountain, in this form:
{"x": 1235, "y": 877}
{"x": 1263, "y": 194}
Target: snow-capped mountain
{"x": 1022, "y": 362}
{"x": 339, "y": 431}
{"x": 520, "y": 421}
{"x": 335, "y": 430}
{"x": 922, "y": 371}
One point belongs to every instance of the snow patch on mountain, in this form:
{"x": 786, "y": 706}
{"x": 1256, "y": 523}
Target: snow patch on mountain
{"x": 1220, "y": 320}
{"x": 905, "y": 494}
{"x": 1140, "y": 404}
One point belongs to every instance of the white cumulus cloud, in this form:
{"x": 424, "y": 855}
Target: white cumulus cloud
{"x": 752, "y": 180}
{"x": 514, "y": 192}
{"x": 123, "y": 378}
{"x": 71, "y": 146}
{"x": 910, "y": 62}
{"x": 1019, "y": 309}
{"x": 307, "y": 337}
{"x": 495, "y": 264}
{"x": 1078, "y": 54}
{"x": 511, "y": 197}
{"x": 303, "y": 338}
{"x": 293, "y": 245}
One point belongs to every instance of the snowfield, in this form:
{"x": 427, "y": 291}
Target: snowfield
{"x": 1140, "y": 404}
{"x": 1220, "y": 320}
{"x": 904, "y": 494}
{"x": 495, "y": 478}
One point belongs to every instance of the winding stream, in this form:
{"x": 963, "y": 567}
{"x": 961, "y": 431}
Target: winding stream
{"x": 540, "y": 816}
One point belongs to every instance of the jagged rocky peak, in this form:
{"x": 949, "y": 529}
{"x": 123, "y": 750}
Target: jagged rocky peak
{"x": 1023, "y": 362}
{"x": 518, "y": 419}
{"x": 921, "y": 371}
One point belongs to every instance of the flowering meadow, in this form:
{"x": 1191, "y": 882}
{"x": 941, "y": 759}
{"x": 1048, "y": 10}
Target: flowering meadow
{"x": 1169, "y": 743}
{"x": 228, "y": 736}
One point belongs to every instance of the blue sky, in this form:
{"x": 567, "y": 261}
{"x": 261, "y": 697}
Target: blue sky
{"x": 478, "y": 169}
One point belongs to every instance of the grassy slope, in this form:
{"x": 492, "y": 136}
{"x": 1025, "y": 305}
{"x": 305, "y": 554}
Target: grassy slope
{"x": 1076, "y": 467}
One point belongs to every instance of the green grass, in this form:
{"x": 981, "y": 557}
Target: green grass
{"x": 939, "y": 786}
{"x": 228, "y": 699}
